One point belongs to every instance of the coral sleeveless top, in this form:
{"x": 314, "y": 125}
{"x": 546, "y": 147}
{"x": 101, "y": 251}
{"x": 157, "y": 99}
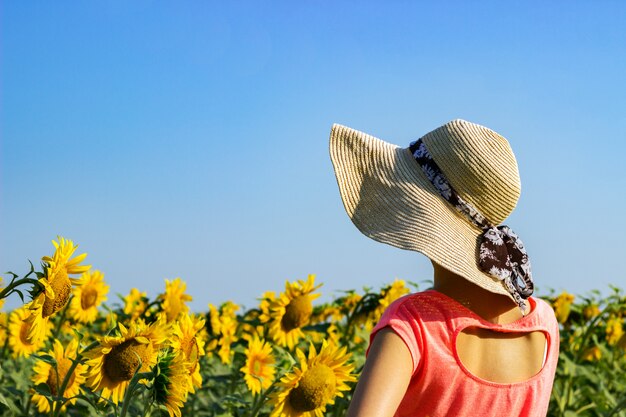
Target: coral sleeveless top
{"x": 429, "y": 322}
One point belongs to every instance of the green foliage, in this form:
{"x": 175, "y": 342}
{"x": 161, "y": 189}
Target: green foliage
{"x": 591, "y": 378}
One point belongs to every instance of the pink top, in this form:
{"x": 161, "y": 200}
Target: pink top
{"x": 429, "y": 322}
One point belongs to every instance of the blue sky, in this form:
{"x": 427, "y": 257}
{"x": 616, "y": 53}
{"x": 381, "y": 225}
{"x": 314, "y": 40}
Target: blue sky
{"x": 191, "y": 139}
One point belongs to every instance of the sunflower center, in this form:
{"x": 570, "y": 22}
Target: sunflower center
{"x": 315, "y": 389}
{"x": 88, "y": 298}
{"x": 120, "y": 364}
{"x": 62, "y": 287}
{"x": 297, "y": 313}
{"x": 63, "y": 366}
{"x": 256, "y": 366}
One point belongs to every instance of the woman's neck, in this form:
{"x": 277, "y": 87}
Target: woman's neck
{"x": 495, "y": 308}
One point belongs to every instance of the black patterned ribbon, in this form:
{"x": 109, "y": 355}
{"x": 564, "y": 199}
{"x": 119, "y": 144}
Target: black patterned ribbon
{"x": 501, "y": 254}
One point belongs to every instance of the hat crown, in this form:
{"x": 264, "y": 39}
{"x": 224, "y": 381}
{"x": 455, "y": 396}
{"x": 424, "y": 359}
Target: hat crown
{"x": 480, "y": 166}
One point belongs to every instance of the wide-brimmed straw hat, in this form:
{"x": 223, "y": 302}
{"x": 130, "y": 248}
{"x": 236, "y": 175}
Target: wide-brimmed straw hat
{"x": 390, "y": 199}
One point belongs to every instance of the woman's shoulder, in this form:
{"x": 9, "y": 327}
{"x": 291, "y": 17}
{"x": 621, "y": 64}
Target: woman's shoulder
{"x": 408, "y": 299}
{"x": 415, "y": 304}
{"x": 545, "y": 312}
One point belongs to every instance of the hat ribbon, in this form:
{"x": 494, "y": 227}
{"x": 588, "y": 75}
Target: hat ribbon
{"x": 501, "y": 253}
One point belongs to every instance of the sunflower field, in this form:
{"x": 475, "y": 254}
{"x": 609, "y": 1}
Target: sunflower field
{"x": 72, "y": 350}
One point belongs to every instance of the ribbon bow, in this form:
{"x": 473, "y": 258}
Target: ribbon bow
{"x": 503, "y": 255}
{"x": 501, "y": 252}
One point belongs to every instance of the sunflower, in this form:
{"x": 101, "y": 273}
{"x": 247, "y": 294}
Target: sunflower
{"x": 89, "y": 293}
{"x": 388, "y": 295}
{"x": 171, "y": 382}
{"x": 19, "y": 328}
{"x": 591, "y": 311}
{"x": 211, "y": 330}
{"x": 614, "y": 330}
{"x": 562, "y": 306}
{"x": 228, "y": 330}
{"x": 291, "y": 311}
{"x": 174, "y": 299}
{"x": 214, "y": 326}
{"x": 222, "y": 328}
{"x": 113, "y": 363}
{"x": 259, "y": 368}
{"x": 62, "y": 257}
{"x": 307, "y": 390}
{"x": 267, "y": 299}
{"x": 135, "y": 303}
{"x": 57, "y": 285}
{"x": 44, "y": 373}
{"x": 186, "y": 342}
{"x": 225, "y": 352}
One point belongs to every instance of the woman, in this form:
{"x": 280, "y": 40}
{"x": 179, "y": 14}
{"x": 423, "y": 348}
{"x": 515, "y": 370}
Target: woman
{"x": 477, "y": 343}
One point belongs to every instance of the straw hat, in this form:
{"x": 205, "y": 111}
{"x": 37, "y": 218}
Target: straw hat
{"x": 390, "y": 199}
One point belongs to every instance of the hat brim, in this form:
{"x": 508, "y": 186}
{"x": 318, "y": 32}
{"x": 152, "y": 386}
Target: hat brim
{"x": 389, "y": 199}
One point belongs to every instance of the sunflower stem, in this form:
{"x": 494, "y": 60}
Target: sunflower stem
{"x": 263, "y": 397}
{"x": 132, "y": 386}
{"x": 356, "y": 311}
{"x": 588, "y": 331}
{"x": 28, "y": 404}
{"x": 58, "y": 403}
{"x": 147, "y": 405}
{"x": 129, "y": 391}
{"x": 13, "y": 285}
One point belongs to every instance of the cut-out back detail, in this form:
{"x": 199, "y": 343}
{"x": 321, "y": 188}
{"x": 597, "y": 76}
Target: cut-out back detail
{"x": 430, "y": 322}
{"x": 499, "y": 357}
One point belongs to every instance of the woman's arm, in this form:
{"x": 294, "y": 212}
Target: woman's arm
{"x": 384, "y": 379}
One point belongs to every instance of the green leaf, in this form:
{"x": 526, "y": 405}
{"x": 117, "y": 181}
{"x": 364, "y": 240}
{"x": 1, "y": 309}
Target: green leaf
{"x": 9, "y": 404}
{"x": 235, "y": 401}
{"x": 320, "y": 328}
{"x": 14, "y": 391}
{"x": 78, "y": 334}
{"x": 47, "y": 359}
{"x": 43, "y": 389}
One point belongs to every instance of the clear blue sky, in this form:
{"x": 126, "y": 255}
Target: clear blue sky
{"x": 191, "y": 138}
